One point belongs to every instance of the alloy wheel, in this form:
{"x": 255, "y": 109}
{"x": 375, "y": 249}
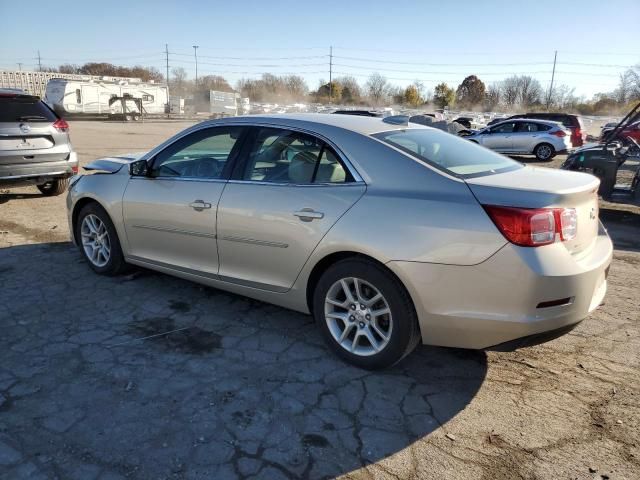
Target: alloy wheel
{"x": 358, "y": 316}
{"x": 544, "y": 152}
{"x": 95, "y": 240}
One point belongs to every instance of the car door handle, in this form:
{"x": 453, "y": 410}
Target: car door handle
{"x": 199, "y": 205}
{"x": 308, "y": 214}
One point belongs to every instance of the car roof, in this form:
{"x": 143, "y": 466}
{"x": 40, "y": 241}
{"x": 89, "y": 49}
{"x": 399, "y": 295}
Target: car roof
{"x": 531, "y": 120}
{"x": 314, "y": 121}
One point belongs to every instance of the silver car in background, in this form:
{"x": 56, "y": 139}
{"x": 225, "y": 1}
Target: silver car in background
{"x": 34, "y": 144}
{"x": 391, "y": 234}
{"x": 541, "y": 138}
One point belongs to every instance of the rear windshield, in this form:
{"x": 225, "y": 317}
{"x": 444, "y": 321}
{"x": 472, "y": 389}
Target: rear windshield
{"x": 449, "y": 153}
{"x": 24, "y": 109}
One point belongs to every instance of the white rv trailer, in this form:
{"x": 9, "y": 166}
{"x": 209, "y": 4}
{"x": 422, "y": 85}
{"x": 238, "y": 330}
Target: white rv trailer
{"x": 92, "y": 96}
{"x": 223, "y": 103}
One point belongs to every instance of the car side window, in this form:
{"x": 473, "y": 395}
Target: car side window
{"x": 504, "y": 128}
{"x": 285, "y": 156}
{"x": 529, "y": 127}
{"x": 203, "y": 154}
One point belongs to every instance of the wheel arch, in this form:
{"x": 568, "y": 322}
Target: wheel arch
{"x": 77, "y": 208}
{"x": 331, "y": 259}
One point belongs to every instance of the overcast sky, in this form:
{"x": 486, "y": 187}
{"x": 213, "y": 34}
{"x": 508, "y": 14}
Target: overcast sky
{"x": 403, "y": 40}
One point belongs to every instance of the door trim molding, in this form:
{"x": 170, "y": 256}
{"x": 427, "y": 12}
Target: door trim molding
{"x": 252, "y": 241}
{"x": 176, "y": 230}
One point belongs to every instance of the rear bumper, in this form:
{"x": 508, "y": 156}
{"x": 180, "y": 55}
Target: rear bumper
{"x": 518, "y": 292}
{"x": 38, "y": 172}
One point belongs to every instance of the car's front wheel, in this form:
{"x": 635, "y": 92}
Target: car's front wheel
{"x": 98, "y": 240}
{"x": 365, "y": 314}
{"x": 54, "y": 187}
{"x": 544, "y": 152}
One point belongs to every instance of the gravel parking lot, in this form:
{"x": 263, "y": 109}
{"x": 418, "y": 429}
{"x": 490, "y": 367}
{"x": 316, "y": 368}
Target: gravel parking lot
{"x": 146, "y": 376}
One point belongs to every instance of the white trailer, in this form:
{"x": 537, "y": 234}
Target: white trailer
{"x": 223, "y": 103}
{"x": 92, "y": 96}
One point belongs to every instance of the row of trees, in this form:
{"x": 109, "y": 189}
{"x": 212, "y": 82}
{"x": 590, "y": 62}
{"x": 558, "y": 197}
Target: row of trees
{"x": 518, "y": 92}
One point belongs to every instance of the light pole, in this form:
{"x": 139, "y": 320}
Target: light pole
{"x": 195, "y": 54}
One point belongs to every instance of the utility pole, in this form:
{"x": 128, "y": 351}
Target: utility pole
{"x": 330, "y": 74}
{"x": 553, "y": 74}
{"x": 166, "y": 52}
{"x": 39, "y": 62}
{"x": 195, "y": 54}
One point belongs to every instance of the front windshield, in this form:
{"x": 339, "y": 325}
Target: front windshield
{"x": 447, "y": 152}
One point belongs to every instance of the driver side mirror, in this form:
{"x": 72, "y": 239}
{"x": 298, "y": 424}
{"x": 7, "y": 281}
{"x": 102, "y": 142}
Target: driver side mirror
{"x": 139, "y": 168}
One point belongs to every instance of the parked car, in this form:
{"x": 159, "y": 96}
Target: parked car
{"x": 572, "y": 122}
{"x": 606, "y": 128}
{"x": 465, "y": 121}
{"x": 361, "y": 113}
{"x": 34, "y": 144}
{"x": 495, "y": 120}
{"x": 525, "y": 137}
{"x": 391, "y": 234}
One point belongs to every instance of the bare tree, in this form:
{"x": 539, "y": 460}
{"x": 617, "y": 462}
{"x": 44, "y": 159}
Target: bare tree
{"x": 510, "y": 91}
{"x": 377, "y": 88}
{"x": 530, "y": 91}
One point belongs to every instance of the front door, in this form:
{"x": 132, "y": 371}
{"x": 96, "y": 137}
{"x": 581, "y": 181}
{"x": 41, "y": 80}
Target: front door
{"x": 499, "y": 137}
{"x": 286, "y": 196}
{"x": 170, "y": 216}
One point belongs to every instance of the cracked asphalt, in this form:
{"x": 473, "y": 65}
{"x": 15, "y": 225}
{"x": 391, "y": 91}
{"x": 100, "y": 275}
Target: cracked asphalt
{"x": 145, "y": 376}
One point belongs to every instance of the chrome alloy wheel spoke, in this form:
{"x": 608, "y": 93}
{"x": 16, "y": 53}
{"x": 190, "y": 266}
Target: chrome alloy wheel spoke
{"x": 358, "y": 316}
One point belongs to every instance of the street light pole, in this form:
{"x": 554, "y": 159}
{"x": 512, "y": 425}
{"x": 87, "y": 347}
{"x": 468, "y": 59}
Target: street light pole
{"x": 195, "y": 54}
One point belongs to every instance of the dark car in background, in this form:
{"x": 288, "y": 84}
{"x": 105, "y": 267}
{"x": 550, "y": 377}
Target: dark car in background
{"x": 572, "y": 122}
{"x": 34, "y": 144}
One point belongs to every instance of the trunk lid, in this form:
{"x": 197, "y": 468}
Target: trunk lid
{"x": 539, "y": 187}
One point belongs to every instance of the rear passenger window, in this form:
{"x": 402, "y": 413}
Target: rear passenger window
{"x": 285, "y": 156}
{"x": 530, "y": 127}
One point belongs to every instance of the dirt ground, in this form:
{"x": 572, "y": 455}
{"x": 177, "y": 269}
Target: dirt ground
{"x": 146, "y": 376}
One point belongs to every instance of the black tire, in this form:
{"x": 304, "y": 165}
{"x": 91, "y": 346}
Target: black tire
{"x": 405, "y": 334}
{"x": 542, "y": 152}
{"x": 54, "y": 187}
{"x": 116, "y": 264}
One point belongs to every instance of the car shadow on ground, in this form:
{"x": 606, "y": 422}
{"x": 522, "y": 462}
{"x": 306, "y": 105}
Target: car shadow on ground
{"x": 148, "y": 376}
{"x": 623, "y": 227}
{"x": 6, "y": 196}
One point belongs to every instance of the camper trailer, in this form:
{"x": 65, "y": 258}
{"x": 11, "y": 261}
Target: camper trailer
{"x": 92, "y": 96}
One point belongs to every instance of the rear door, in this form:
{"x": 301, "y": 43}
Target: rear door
{"x": 27, "y": 134}
{"x": 170, "y": 216}
{"x": 289, "y": 192}
{"x": 499, "y": 138}
{"x": 526, "y": 136}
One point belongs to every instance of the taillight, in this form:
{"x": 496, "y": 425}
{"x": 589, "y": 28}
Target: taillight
{"x": 559, "y": 133}
{"x": 534, "y": 227}
{"x": 61, "y": 125}
{"x": 576, "y": 137}
{"x": 567, "y": 220}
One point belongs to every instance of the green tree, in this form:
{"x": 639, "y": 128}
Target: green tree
{"x": 323, "y": 92}
{"x": 443, "y": 95}
{"x": 412, "y": 96}
{"x": 470, "y": 92}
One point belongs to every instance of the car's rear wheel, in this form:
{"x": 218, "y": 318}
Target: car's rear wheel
{"x": 544, "y": 152}
{"x": 365, "y": 314}
{"x": 54, "y": 187}
{"x": 98, "y": 241}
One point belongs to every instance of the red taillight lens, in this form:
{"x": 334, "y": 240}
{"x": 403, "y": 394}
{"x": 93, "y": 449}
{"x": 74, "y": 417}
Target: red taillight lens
{"x": 61, "y": 125}
{"x": 534, "y": 227}
{"x": 576, "y": 137}
{"x": 559, "y": 133}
